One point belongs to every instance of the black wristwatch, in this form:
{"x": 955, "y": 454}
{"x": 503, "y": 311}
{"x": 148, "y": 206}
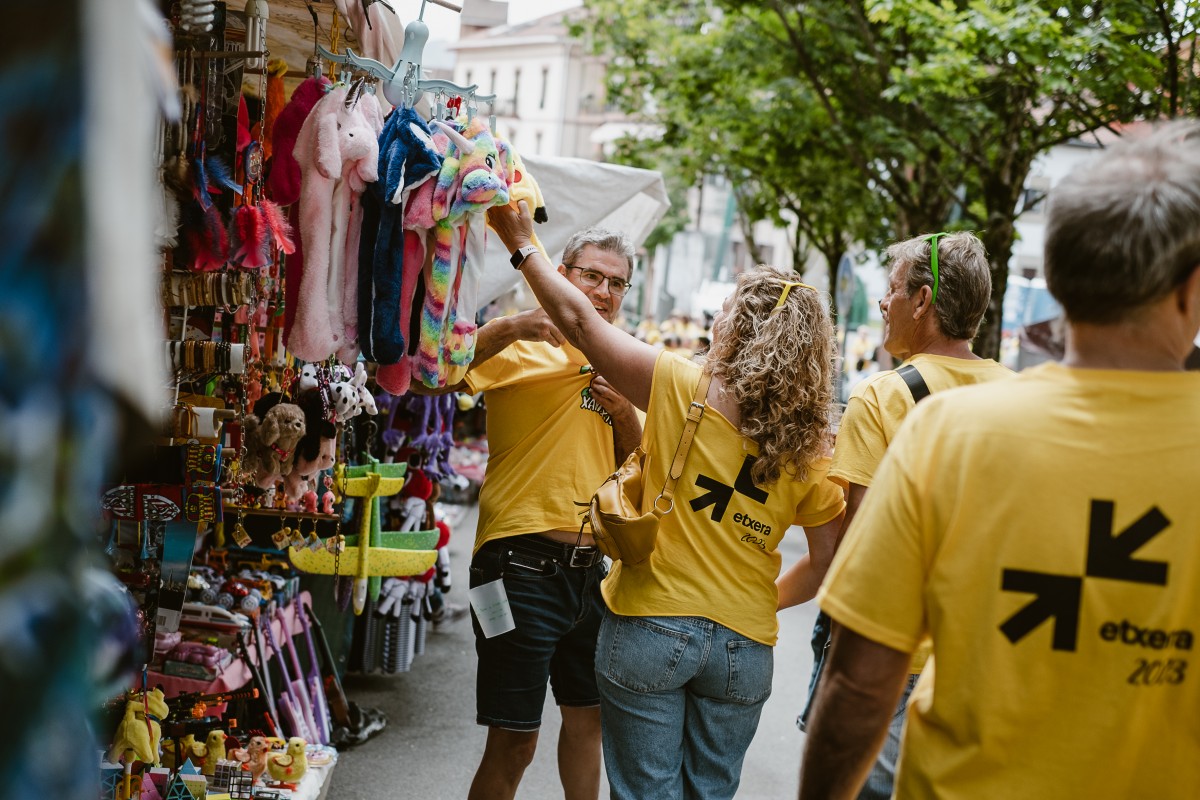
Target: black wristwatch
{"x": 518, "y": 258}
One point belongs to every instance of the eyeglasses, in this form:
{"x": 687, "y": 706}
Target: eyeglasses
{"x": 593, "y": 278}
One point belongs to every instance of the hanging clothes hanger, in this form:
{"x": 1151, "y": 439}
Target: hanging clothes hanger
{"x": 315, "y": 67}
{"x": 366, "y": 4}
{"x": 401, "y": 83}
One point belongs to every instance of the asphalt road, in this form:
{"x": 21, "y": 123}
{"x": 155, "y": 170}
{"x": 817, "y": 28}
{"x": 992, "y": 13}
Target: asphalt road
{"x": 432, "y": 745}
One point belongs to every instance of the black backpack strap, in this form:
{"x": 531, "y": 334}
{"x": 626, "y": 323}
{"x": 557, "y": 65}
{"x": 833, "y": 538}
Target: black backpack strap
{"x": 916, "y": 384}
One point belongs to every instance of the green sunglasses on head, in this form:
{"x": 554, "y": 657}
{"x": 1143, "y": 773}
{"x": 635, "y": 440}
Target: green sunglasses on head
{"x": 933, "y": 239}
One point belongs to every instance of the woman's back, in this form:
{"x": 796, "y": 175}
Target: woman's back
{"x": 716, "y": 555}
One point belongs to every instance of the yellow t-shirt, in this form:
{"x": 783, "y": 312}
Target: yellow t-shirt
{"x": 716, "y": 555}
{"x": 879, "y": 404}
{"x": 1044, "y": 532}
{"x": 878, "y": 407}
{"x": 550, "y": 443}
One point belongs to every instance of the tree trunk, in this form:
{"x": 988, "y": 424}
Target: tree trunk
{"x": 1001, "y": 190}
{"x": 998, "y": 239}
{"x": 833, "y": 257}
{"x": 748, "y": 234}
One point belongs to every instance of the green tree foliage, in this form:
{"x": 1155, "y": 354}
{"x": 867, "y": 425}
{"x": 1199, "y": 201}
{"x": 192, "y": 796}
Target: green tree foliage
{"x": 725, "y": 108}
{"x": 872, "y": 119}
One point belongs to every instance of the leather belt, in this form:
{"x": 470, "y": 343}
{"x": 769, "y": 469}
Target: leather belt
{"x": 568, "y": 555}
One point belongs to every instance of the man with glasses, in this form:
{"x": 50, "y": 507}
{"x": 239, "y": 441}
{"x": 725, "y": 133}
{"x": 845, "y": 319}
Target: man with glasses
{"x": 938, "y": 291}
{"x": 556, "y": 430}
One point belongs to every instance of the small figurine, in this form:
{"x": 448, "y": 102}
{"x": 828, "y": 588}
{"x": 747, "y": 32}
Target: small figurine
{"x": 212, "y": 751}
{"x": 254, "y": 756}
{"x": 289, "y": 767}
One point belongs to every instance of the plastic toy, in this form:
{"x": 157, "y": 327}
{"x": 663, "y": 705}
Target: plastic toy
{"x": 289, "y": 767}
{"x": 254, "y": 756}
{"x": 374, "y": 552}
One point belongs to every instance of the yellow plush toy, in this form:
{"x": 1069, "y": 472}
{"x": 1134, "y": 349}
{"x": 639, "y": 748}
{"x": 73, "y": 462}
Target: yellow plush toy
{"x": 212, "y": 751}
{"x": 138, "y": 735}
{"x": 289, "y": 767}
{"x": 524, "y": 187}
{"x": 187, "y": 745}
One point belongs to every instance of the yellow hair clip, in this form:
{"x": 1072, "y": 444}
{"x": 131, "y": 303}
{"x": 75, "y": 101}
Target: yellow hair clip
{"x": 787, "y": 287}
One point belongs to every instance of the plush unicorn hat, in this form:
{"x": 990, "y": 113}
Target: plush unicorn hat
{"x": 477, "y": 173}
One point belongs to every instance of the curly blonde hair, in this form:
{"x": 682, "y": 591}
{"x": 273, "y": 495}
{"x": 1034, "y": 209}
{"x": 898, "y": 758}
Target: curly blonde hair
{"x": 778, "y": 365}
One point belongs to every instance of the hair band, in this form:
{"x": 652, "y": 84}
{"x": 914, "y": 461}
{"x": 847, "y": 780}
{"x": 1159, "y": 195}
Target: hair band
{"x": 787, "y": 287}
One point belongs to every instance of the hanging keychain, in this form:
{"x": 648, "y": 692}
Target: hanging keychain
{"x": 241, "y": 536}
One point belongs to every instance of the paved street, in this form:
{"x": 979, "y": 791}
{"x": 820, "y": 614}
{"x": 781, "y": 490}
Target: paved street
{"x": 432, "y": 745}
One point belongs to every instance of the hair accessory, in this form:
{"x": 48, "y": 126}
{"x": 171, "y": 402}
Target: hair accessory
{"x": 787, "y": 287}
{"x": 933, "y": 238}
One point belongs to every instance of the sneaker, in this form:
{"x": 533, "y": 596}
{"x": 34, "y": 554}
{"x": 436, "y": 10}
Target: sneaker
{"x": 448, "y": 613}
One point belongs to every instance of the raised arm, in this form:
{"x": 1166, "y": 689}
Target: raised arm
{"x": 624, "y": 361}
{"x": 527, "y": 326}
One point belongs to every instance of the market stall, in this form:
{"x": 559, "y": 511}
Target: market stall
{"x": 323, "y": 249}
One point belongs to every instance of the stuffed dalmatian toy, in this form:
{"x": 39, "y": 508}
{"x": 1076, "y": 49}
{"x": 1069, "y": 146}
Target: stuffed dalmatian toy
{"x": 351, "y": 397}
{"x": 348, "y": 393}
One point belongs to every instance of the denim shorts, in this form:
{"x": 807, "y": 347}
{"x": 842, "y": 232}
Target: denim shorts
{"x": 557, "y": 608}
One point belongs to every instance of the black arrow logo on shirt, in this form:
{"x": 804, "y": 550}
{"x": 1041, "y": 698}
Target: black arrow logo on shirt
{"x": 1058, "y": 598}
{"x": 718, "y": 494}
{"x": 1112, "y": 556}
{"x": 745, "y": 484}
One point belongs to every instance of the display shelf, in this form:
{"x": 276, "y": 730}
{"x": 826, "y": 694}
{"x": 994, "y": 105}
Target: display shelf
{"x": 278, "y": 513}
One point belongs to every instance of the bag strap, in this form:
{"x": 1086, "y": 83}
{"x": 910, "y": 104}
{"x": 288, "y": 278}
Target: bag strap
{"x": 694, "y": 413}
{"x": 916, "y": 384}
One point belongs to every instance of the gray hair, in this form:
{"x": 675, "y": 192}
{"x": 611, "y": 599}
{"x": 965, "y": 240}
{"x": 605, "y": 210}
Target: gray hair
{"x": 1124, "y": 229}
{"x": 601, "y": 239}
{"x": 964, "y": 279}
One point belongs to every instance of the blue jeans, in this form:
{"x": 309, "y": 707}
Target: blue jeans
{"x": 822, "y": 637}
{"x": 680, "y": 699}
{"x": 557, "y": 607}
{"x": 882, "y": 778}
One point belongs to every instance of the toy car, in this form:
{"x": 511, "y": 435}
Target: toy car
{"x": 243, "y": 593}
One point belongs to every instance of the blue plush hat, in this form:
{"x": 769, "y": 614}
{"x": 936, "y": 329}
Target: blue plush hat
{"x": 407, "y": 158}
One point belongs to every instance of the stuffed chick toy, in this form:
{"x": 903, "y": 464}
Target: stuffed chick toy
{"x": 289, "y": 767}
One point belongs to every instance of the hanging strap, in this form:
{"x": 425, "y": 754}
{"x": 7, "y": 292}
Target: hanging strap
{"x": 916, "y": 384}
{"x": 694, "y": 413}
